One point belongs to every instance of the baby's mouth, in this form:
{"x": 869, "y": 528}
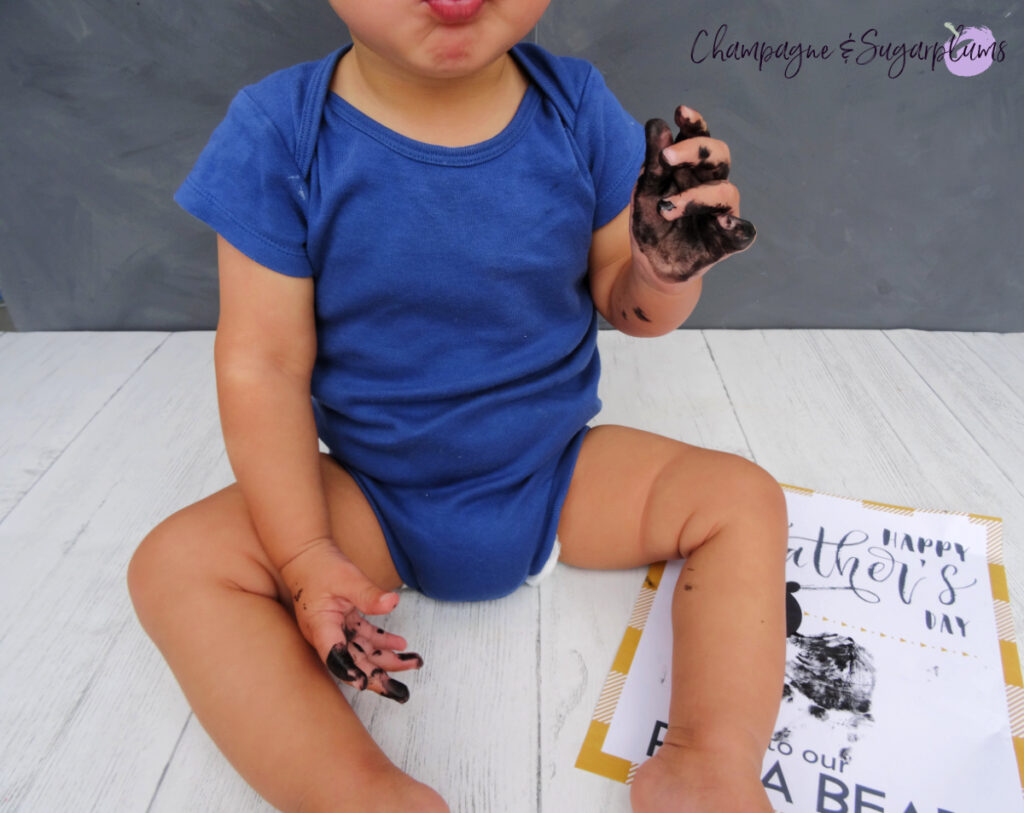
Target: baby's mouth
{"x": 454, "y": 11}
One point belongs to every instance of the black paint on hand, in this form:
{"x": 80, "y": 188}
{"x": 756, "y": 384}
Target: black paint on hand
{"x": 340, "y": 662}
{"x": 397, "y": 691}
{"x": 366, "y": 674}
{"x": 681, "y": 248}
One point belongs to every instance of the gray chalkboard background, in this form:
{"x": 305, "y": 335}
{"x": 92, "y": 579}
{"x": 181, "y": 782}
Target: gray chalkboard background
{"x": 881, "y": 201}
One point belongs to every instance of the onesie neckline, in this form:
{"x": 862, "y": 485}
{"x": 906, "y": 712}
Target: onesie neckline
{"x": 435, "y": 154}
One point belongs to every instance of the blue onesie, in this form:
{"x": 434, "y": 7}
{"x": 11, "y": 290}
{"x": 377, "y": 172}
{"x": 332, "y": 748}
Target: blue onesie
{"x": 456, "y": 362}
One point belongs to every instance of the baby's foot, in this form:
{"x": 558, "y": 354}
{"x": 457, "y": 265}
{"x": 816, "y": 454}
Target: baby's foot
{"x": 414, "y": 796}
{"x": 691, "y": 782}
{"x": 378, "y": 789}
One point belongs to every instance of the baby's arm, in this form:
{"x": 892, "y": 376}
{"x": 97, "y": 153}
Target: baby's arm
{"x": 264, "y": 354}
{"x": 646, "y": 265}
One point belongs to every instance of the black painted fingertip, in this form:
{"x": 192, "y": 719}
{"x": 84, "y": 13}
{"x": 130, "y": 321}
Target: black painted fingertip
{"x": 658, "y": 136}
{"x": 741, "y": 233}
{"x": 658, "y": 133}
{"x": 341, "y": 665}
{"x": 396, "y": 690}
{"x": 724, "y": 234}
{"x": 409, "y": 656}
{"x": 688, "y": 128}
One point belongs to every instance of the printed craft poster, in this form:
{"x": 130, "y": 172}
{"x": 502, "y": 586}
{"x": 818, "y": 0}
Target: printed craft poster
{"x": 902, "y": 677}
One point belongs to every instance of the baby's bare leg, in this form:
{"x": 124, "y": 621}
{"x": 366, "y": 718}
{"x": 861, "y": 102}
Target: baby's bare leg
{"x": 216, "y": 608}
{"x": 638, "y": 498}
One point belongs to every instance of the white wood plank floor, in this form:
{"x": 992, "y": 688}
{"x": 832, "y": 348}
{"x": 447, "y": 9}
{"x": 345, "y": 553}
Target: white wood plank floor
{"x": 104, "y": 434}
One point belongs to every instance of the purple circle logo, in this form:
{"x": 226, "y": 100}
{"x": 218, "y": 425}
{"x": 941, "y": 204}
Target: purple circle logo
{"x": 969, "y": 51}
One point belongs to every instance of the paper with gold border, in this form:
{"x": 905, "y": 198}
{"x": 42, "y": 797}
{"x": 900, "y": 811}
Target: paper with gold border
{"x": 937, "y": 619}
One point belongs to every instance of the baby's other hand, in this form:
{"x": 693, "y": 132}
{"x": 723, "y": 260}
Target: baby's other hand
{"x": 685, "y": 214}
{"x": 330, "y": 595}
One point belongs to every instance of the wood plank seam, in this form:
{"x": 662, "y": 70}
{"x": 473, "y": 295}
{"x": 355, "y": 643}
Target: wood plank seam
{"x": 728, "y": 396}
{"x": 81, "y": 430}
{"x": 167, "y": 764}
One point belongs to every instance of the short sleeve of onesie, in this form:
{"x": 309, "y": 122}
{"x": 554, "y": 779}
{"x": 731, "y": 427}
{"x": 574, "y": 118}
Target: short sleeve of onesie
{"x": 247, "y": 187}
{"x": 612, "y": 141}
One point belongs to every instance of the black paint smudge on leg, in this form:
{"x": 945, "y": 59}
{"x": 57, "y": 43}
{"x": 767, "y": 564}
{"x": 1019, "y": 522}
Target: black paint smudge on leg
{"x": 641, "y": 315}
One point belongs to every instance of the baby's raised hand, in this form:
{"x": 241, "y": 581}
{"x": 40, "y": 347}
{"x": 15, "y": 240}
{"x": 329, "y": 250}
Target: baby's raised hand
{"x": 685, "y": 214}
{"x": 330, "y": 595}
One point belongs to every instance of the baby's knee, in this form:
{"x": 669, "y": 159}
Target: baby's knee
{"x": 742, "y": 499}
{"x": 156, "y": 566}
{"x": 754, "y": 496}
{"x": 759, "y": 492}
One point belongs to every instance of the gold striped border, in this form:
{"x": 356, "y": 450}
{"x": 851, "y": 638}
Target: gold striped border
{"x": 1004, "y": 620}
{"x": 1015, "y": 702}
{"x": 1000, "y": 586}
{"x": 889, "y": 509}
{"x": 609, "y": 699}
{"x": 1011, "y": 663}
{"x": 592, "y": 756}
{"x": 1018, "y": 747}
{"x": 641, "y": 609}
{"x": 1005, "y": 632}
{"x": 593, "y": 759}
{"x": 994, "y": 536}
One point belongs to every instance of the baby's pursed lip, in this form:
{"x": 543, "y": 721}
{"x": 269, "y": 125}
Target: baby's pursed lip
{"x": 454, "y": 11}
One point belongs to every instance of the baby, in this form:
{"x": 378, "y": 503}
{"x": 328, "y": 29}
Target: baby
{"x": 416, "y": 234}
